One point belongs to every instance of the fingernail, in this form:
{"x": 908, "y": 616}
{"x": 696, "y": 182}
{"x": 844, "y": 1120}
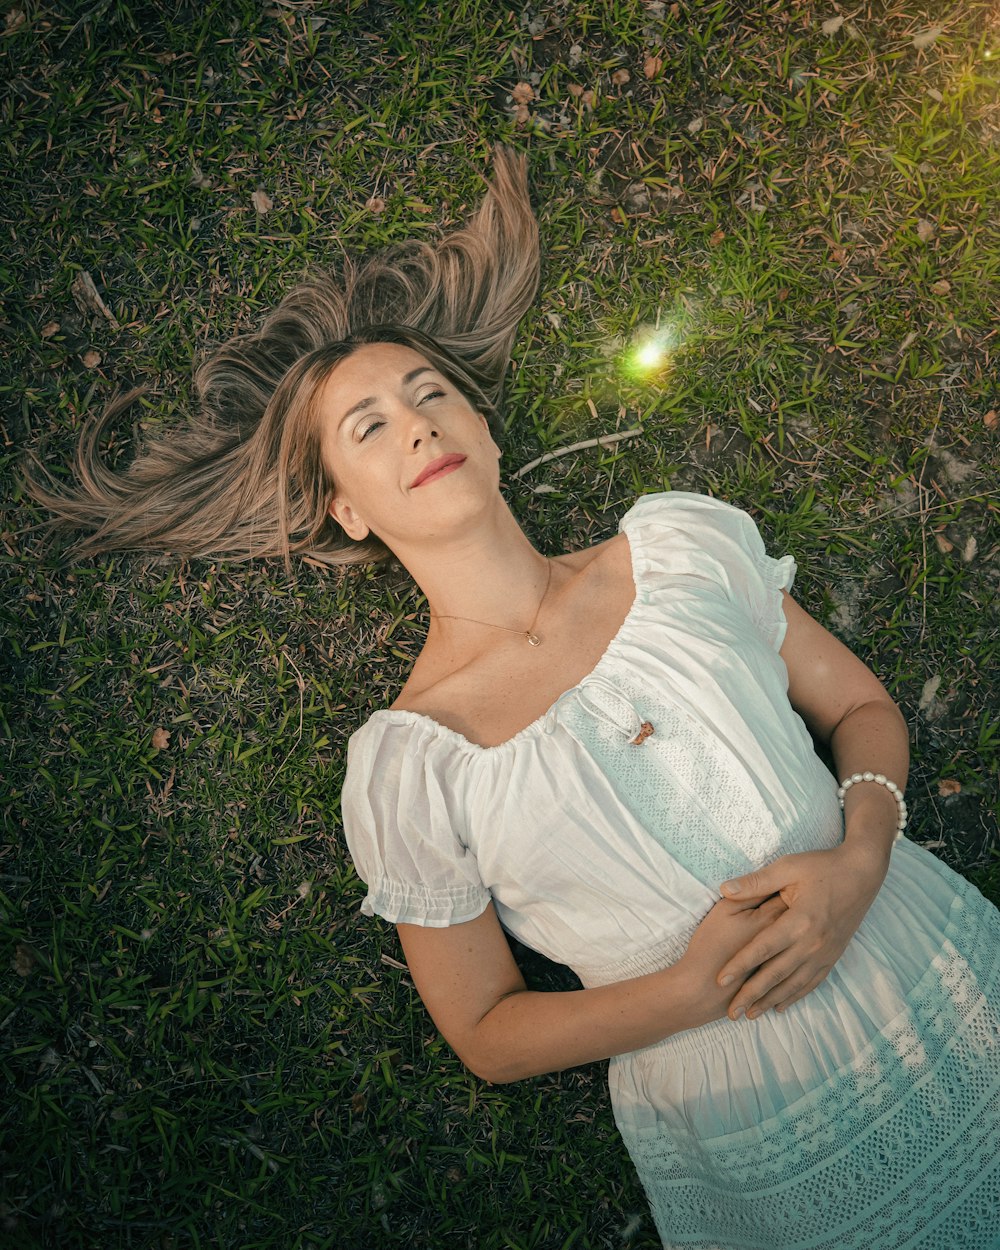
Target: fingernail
{"x": 727, "y": 980}
{"x": 737, "y": 1013}
{"x": 731, "y": 887}
{"x": 753, "y": 1014}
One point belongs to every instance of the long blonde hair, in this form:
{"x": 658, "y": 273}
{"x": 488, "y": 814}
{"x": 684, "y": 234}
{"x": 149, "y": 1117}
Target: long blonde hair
{"x": 245, "y": 478}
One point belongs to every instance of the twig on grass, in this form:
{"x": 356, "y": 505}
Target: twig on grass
{"x": 603, "y": 440}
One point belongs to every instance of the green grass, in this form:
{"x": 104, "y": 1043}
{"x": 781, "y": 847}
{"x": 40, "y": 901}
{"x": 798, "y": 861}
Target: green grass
{"x": 204, "y": 1044}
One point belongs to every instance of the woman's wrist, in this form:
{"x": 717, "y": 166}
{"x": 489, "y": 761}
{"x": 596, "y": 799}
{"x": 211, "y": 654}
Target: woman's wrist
{"x": 868, "y": 851}
{"x": 872, "y": 800}
{"x": 871, "y": 741}
{"x": 682, "y": 990}
{"x": 872, "y": 817}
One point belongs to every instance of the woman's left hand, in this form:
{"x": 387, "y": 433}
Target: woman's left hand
{"x": 827, "y": 894}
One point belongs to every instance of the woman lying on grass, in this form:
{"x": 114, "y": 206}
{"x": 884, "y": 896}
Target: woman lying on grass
{"x": 607, "y": 753}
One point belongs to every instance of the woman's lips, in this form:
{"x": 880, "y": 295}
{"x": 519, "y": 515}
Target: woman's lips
{"x": 437, "y": 468}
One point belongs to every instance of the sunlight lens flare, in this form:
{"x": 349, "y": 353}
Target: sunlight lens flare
{"x": 651, "y": 352}
{"x": 650, "y": 355}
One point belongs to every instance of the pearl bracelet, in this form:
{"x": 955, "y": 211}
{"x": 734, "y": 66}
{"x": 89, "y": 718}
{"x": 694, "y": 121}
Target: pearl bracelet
{"x": 882, "y": 780}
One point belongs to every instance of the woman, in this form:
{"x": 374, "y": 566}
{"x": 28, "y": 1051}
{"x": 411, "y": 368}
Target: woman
{"x": 587, "y": 752}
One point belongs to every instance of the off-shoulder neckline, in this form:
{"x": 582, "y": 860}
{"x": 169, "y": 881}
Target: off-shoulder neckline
{"x": 405, "y": 716}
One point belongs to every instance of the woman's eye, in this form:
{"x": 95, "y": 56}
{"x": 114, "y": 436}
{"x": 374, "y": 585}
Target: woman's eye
{"x": 432, "y": 395}
{"x": 368, "y": 429}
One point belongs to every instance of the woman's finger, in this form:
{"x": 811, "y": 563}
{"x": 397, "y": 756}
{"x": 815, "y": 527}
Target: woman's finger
{"x": 797, "y": 986}
{"x": 797, "y": 960}
{"x": 767, "y": 981}
{"x": 784, "y": 992}
{"x": 771, "y": 909}
{"x": 806, "y": 989}
{"x": 767, "y": 880}
{"x": 775, "y": 937}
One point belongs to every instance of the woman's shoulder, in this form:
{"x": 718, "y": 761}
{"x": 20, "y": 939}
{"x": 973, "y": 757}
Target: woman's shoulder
{"x": 390, "y": 732}
{"x": 693, "y": 529}
{"x": 398, "y": 752}
{"x": 678, "y": 509}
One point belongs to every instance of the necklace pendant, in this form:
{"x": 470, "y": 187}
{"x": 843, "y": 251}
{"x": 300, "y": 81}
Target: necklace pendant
{"x": 533, "y": 639}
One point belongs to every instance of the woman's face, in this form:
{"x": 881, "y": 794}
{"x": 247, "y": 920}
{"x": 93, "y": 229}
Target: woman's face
{"x": 408, "y": 454}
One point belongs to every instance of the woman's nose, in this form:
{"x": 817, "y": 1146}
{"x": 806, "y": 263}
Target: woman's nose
{"x": 422, "y": 428}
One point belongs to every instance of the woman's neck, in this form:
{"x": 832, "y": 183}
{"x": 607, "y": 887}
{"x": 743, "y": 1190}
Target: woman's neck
{"x": 491, "y": 575}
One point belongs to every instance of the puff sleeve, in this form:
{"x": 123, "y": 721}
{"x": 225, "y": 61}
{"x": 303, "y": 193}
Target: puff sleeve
{"x": 402, "y": 812}
{"x": 699, "y": 536}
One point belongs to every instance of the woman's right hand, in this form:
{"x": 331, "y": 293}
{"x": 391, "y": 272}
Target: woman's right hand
{"x": 724, "y": 931}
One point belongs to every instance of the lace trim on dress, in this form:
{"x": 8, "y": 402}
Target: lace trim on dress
{"x": 902, "y": 1150}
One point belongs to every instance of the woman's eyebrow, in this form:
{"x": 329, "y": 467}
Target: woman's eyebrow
{"x": 362, "y": 404}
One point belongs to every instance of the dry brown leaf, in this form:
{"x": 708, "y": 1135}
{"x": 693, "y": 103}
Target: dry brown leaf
{"x": 695, "y": 125}
{"x": 832, "y": 25}
{"x": 50, "y": 328}
{"x": 929, "y": 692}
{"x": 652, "y": 65}
{"x": 91, "y": 359}
{"x": 375, "y": 205}
{"x": 970, "y": 549}
{"x": 24, "y": 960}
{"x": 523, "y": 93}
{"x": 716, "y": 237}
{"x": 948, "y": 785}
{"x": 944, "y": 545}
{"x": 575, "y": 90}
{"x": 990, "y": 419}
{"x": 161, "y": 739}
{"x": 88, "y": 300}
{"x": 262, "y": 202}
{"x": 925, "y": 230}
{"x": 927, "y": 38}
{"x": 941, "y": 287}
{"x": 620, "y": 77}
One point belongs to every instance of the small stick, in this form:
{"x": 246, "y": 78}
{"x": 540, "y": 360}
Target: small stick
{"x": 605, "y": 440}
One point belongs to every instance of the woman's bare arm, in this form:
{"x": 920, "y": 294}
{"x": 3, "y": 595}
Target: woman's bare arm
{"x": 845, "y": 705}
{"x": 503, "y": 1031}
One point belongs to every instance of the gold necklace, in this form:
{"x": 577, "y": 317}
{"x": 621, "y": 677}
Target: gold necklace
{"x": 530, "y": 636}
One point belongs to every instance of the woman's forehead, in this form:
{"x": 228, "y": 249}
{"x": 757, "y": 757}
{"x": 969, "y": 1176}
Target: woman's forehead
{"x": 375, "y": 362}
{"x": 370, "y": 368}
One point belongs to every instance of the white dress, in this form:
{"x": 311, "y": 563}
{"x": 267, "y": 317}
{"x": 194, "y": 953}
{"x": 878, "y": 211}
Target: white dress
{"x": 867, "y": 1114}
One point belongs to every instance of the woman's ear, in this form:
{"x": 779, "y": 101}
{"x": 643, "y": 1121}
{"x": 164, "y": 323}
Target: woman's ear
{"x": 348, "y": 519}
{"x": 496, "y": 446}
